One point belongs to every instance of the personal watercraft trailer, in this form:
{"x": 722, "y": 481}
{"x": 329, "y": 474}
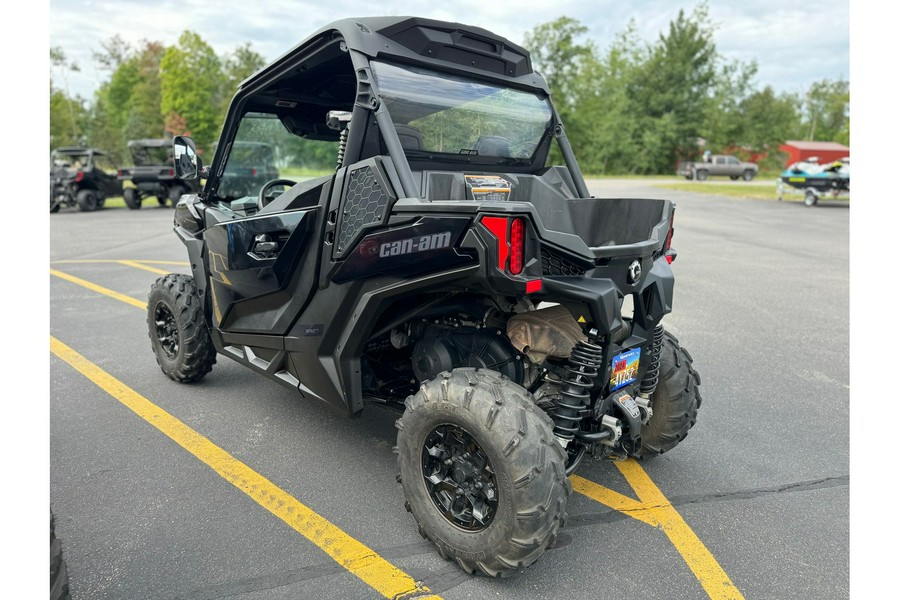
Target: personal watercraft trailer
{"x": 816, "y": 181}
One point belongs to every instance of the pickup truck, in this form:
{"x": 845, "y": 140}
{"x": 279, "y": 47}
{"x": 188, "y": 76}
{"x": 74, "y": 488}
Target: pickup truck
{"x": 717, "y": 164}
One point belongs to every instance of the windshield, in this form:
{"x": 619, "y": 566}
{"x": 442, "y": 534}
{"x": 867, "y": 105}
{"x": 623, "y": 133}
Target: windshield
{"x": 151, "y": 156}
{"x": 263, "y": 149}
{"x": 439, "y": 113}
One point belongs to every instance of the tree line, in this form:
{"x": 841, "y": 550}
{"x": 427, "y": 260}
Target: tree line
{"x": 639, "y": 107}
{"x": 635, "y": 107}
{"x": 151, "y": 91}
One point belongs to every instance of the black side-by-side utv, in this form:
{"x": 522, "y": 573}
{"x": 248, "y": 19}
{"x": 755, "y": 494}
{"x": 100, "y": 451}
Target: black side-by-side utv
{"x": 443, "y": 270}
{"x": 152, "y": 174}
{"x": 82, "y": 177}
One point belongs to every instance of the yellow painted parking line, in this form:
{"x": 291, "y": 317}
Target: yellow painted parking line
{"x": 655, "y": 509}
{"x": 348, "y": 552}
{"x": 138, "y": 265}
{"x": 109, "y": 260}
{"x": 100, "y": 289}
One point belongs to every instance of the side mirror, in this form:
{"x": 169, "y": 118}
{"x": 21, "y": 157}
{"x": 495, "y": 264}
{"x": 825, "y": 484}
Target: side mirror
{"x": 187, "y": 163}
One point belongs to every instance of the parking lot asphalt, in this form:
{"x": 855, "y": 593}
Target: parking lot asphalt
{"x": 163, "y": 490}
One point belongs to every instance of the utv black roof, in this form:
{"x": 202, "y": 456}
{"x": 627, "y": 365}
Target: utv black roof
{"x": 79, "y": 150}
{"x": 150, "y": 143}
{"x": 463, "y": 48}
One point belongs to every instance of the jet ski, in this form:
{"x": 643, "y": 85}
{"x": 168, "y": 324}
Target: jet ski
{"x": 809, "y": 174}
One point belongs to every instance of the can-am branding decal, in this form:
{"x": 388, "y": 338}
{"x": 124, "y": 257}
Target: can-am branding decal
{"x": 415, "y": 244}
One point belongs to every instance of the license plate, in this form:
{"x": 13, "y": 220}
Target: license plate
{"x": 624, "y": 368}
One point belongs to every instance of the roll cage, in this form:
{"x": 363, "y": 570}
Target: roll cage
{"x": 332, "y": 71}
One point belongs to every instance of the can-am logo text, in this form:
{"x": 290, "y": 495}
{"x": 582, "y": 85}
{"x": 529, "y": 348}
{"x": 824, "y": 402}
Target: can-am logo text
{"x": 415, "y": 244}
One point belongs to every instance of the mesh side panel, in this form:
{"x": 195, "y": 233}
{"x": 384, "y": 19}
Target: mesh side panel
{"x": 555, "y": 264}
{"x": 364, "y": 205}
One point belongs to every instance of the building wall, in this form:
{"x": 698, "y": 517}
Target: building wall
{"x": 826, "y": 154}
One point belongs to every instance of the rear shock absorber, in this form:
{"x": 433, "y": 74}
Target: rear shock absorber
{"x": 572, "y": 405}
{"x": 651, "y": 376}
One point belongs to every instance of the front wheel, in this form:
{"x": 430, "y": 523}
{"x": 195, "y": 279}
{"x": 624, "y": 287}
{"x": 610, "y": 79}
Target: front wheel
{"x": 675, "y": 401}
{"x": 177, "y": 328}
{"x": 810, "y": 198}
{"x": 482, "y": 472}
{"x": 733, "y": 177}
{"x": 87, "y": 200}
{"x": 702, "y": 174}
{"x": 749, "y": 175}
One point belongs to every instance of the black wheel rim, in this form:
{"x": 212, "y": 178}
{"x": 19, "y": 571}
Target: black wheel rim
{"x": 459, "y": 478}
{"x": 166, "y": 330}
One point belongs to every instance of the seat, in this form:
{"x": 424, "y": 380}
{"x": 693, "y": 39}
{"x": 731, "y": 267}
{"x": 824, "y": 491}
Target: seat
{"x": 410, "y": 137}
{"x": 492, "y": 145}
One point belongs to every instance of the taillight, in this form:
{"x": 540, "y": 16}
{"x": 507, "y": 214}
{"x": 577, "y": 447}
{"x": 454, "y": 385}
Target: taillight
{"x": 79, "y": 176}
{"x": 253, "y": 171}
{"x": 517, "y": 246}
{"x": 119, "y": 173}
{"x": 510, "y": 234}
{"x": 667, "y": 248}
{"x": 171, "y": 172}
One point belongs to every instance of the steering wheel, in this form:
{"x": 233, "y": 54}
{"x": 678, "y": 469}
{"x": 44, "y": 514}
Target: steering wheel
{"x": 262, "y": 199}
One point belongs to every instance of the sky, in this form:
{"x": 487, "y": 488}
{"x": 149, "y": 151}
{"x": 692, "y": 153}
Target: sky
{"x": 792, "y": 47}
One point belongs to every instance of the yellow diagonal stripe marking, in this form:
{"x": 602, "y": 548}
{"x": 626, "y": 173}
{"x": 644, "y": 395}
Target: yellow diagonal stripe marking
{"x": 100, "y": 289}
{"x": 348, "y": 552}
{"x": 137, "y": 265}
{"x": 614, "y": 500}
{"x": 655, "y": 509}
{"x": 704, "y": 566}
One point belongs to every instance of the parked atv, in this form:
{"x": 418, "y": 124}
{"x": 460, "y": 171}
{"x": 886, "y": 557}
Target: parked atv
{"x": 443, "y": 270}
{"x": 153, "y": 175}
{"x": 82, "y": 177}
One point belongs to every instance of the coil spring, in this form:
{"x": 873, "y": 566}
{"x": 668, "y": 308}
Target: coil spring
{"x": 651, "y": 376}
{"x": 343, "y": 146}
{"x": 572, "y": 406}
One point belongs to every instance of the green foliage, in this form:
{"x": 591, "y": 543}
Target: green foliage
{"x": 639, "y": 107}
{"x": 151, "y": 91}
{"x": 236, "y": 67}
{"x": 67, "y": 120}
{"x": 190, "y": 76}
{"x": 635, "y": 107}
{"x": 827, "y": 111}
{"x": 563, "y": 61}
{"x": 67, "y": 114}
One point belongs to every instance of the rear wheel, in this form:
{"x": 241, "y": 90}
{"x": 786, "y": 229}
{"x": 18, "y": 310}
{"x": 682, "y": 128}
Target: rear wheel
{"x": 177, "y": 328}
{"x": 702, "y": 174}
{"x": 810, "y": 198}
{"x": 482, "y": 472}
{"x": 87, "y": 200}
{"x": 733, "y": 177}
{"x": 675, "y": 401}
{"x": 132, "y": 198}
